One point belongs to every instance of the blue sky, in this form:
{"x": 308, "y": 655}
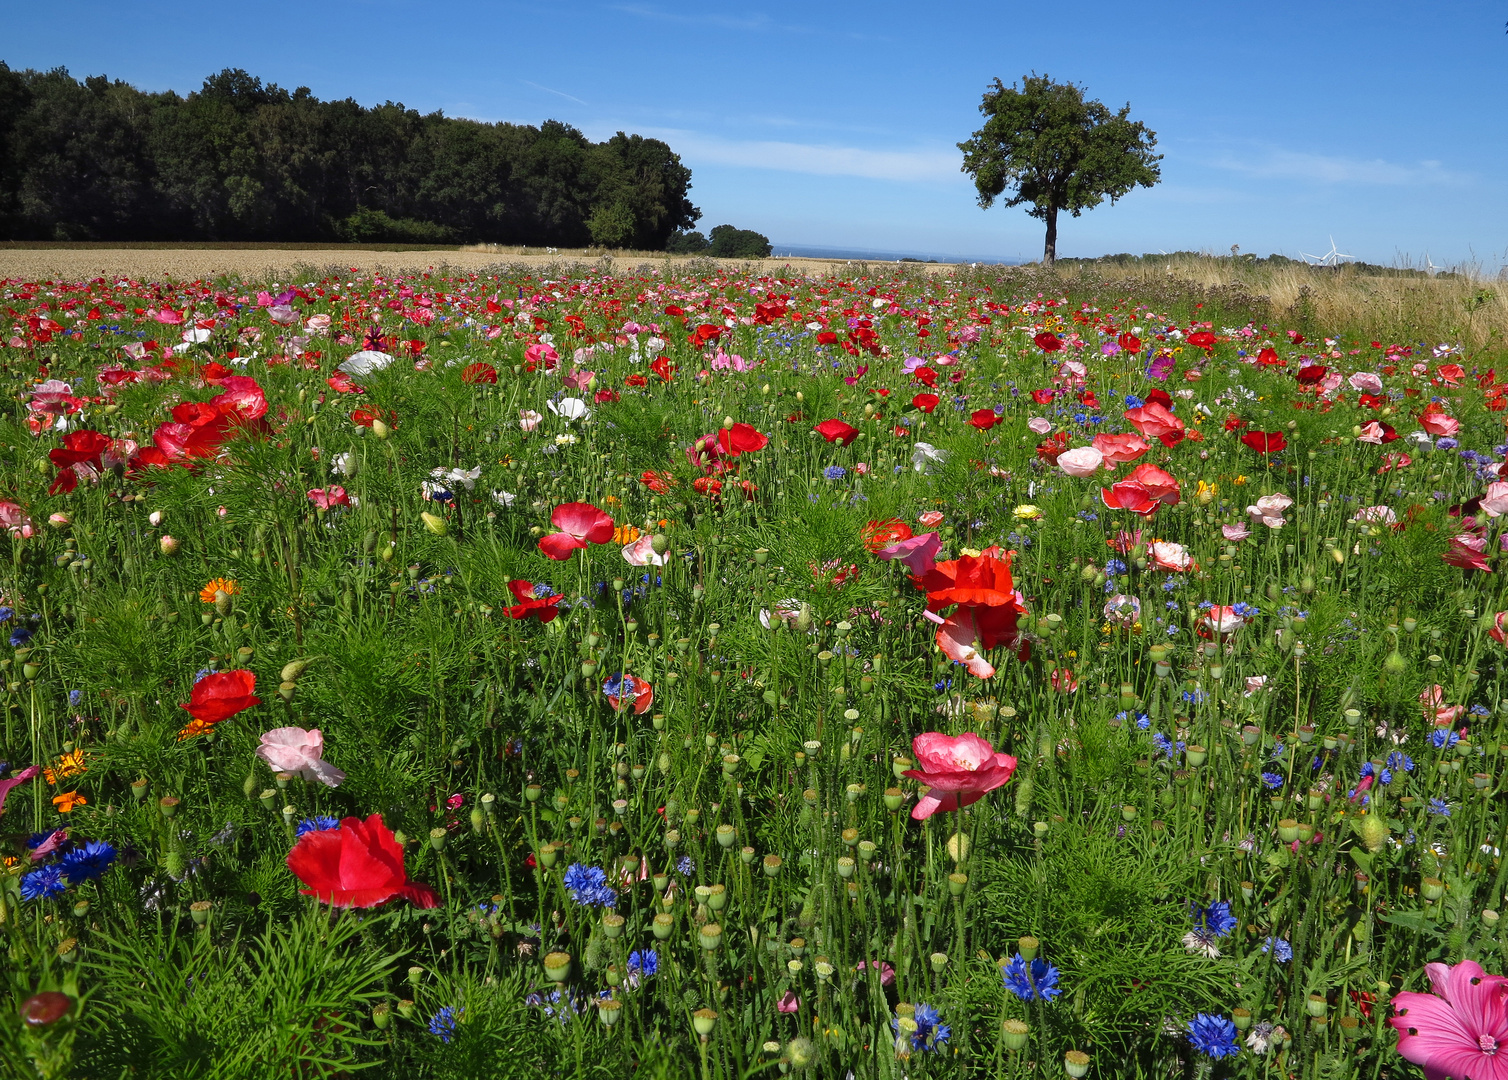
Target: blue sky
{"x": 835, "y": 124}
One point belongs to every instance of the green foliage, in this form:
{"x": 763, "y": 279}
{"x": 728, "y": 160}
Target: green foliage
{"x": 373, "y": 226}
{"x": 1046, "y": 146}
{"x": 726, "y": 242}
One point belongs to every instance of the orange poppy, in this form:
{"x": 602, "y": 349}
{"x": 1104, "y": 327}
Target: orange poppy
{"x": 68, "y": 800}
{"x": 226, "y": 585}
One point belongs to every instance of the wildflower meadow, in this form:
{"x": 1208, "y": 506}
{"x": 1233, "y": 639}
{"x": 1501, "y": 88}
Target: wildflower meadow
{"x": 702, "y": 672}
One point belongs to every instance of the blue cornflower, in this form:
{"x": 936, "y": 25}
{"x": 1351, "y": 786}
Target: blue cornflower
{"x": 1205, "y": 605}
{"x": 835, "y": 472}
{"x": 19, "y": 636}
{"x": 40, "y": 884}
{"x": 1443, "y": 738}
{"x": 1143, "y": 721}
{"x": 1170, "y": 585}
{"x": 1079, "y": 418}
{"x": 1113, "y": 567}
{"x": 930, "y": 1032}
{"x": 318, "y": 823}
{"x": 684, "y": 866}
{"x": 541, "y": 590}
{"x": 1215, "y": 917}
{"x": 644, "y": 962}
{"x": 1445, "y": 442}
{"x": 1398, "y": 759}
{"x": 942, "y": 685}
{"x": 1281, "y": 950}
{"x": 1160, "y": 741}
{"x": 1213, "y": 1036}
{"x": 1440, "y": 807}
{"x": 1031, "y": 980}
{"x": 1272, "y": 780}
{"x": 1134, "y": 402}
{"x": 1385, "y": 777}
{"x": 7, "y": 614}
{"x": 88, "y": 862}
{"x": 74, "y": 696}
{"x": 1246, "y": 611}
{"x": 1194, "y": 697}
{"x": 588, "y": 886}
{"x": 1479, "y": 710}
{"x": 443, "y": 1023}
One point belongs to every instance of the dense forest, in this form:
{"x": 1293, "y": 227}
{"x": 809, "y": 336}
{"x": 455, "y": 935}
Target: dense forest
{"x": 240, "y": 160}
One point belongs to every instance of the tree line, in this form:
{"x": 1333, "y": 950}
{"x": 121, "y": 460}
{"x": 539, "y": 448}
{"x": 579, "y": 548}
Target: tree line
{"x": 244, "y": 160}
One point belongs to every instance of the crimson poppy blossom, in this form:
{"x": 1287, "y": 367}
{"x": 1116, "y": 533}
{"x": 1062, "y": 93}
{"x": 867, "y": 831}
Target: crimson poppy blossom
{"x": 925, "y": 375}
{"x": 1265, "y": 442}
{"x": 538, "y": 600}
{"x": 220, "y": 695}
{"x": 925, "y": 402}
{"x": 1047, "y": 341}
{"x": 1202, "y": 339}
{"x": 663, "y": 368}
{"x": 837, "y": 431}
{"x": 983, "y": 419}
{"x": 479, "y": 373}
{"x": 1468, "y": 552}
{"x": 78, "y": 456}
{"x": 359, "y": 865}
{"x": 1130, "y": 342}
{"x": 579, "y": 524}
{"x": 958, "y": 771}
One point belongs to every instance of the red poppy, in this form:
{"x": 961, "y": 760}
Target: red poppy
{"x": 479, "y": 373}
{"x": 827, "y": 337}
{"x": 1311, "y": 374}
{"x": 1154, "y": 421}
{"x": 1371, "y": 401}
{"x": 213, "y": 373}
{"x": 1048, "y": 341}
{"x": 1120, "y": 449}
{"x": 706, "y": 332}
{"x": 544, "y": 608}
{"x": 1295, "y": 337}
{"x": 1159, "y": 396}
{"x": 663, "y": 368}
{"x": 983, "y": 419}
{"x": 925, "y": 375}
{"x": 837, "y": 431}
{"x": 658, "y": 482}
{"x": 1265, "y": 442}
{"x": 1049, "y": 448}
{"x": 926, "y": 402}
{"x": 630, "y": 691}
{"x": 606, "y": 397}
{"x": 881, "y": 534}
{"x": 741, "y": 439}
{"x": 358, "y": 865}
{"x": 636, "y": 380}
{"x": 1268, "y": 357}
{"x": 367, "y": 415}
{"x": 1202, "y": 339}
{"x": 579, "y": 524}
{"x": 1129, "y": 342}
{"x": 220, "y": 695}
{"x": 80, "y": 453}
{"x": 342, "y": 383}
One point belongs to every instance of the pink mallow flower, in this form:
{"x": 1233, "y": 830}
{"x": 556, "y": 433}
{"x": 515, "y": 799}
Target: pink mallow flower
{"x": 294, "y": 750}
{"x": 1459, "y": 1028}
{"x": 958, "y": 771}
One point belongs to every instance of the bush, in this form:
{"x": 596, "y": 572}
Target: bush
{"x": 375, "y": 227}
{"x": 726, "y": 242}
{"x": 686, "y": 243}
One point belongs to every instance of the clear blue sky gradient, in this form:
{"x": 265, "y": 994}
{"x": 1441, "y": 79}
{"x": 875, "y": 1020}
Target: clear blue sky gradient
{"x": 835, "y": 124}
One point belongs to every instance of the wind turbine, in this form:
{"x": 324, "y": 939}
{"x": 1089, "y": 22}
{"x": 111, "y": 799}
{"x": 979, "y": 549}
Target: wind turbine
{"x": 1329, "y": 258}
{"x": 1430, "y": 268}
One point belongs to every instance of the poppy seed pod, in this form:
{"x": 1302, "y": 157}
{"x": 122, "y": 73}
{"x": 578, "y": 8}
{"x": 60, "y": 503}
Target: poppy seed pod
{"x": 434, "y": 523}
{"x": 557, "y": 966}
{"x": 167, "y": 545}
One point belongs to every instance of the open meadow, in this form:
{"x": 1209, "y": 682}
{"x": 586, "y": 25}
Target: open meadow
{"x": 459, "y": 664}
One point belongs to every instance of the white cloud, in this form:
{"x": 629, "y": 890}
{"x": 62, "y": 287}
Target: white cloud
{"x": 910, "y": 166}
{"x": 1273, "y": 163}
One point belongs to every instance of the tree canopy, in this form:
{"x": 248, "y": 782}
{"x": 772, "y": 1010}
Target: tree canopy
{"x": 1044, "y": 145}
{"x": 244, "y": 160}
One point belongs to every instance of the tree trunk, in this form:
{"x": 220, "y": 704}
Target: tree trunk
{"x": 1050, "y": 248}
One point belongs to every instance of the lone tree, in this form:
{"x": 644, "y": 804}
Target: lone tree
{"x": 1046, "y": 146}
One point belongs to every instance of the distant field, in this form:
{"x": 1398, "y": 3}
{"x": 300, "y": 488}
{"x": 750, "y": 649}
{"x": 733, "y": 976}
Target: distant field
{"x": 29, "y": 261}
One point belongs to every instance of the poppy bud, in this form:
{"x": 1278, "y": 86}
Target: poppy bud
{"x": 293, "y": 669}
{"x": 380, "y": 429}
{"x": 167, "y": 545}
{"x": 434, "y": 523}
{"x": 222, "y": 602}
{"x": 45, "y": 1009}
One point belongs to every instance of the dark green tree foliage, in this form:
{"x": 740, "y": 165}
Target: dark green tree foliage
{"x": 1045, "y": 146}
{"x": 243, "y": 160}
{"x": 726, "y": 242}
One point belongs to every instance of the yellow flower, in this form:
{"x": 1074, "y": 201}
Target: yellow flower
{"x": 972, "y": 553}
{"x": 68, "y": 800}
{"x": 220, "y": 584}
{"x": 1027, "y": 512}
{"x": 1239, "y": 481}
{"x": 70, "y": 764}
{"x": 1206, "y": 493}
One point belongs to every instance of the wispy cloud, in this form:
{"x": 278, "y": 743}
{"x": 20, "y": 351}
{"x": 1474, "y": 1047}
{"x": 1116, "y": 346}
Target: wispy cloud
{"x": 550, "y": 90}
{"x": 926, "y": 165}
{"x": 1278, "y": 164}
{"x": 750, "y": 23}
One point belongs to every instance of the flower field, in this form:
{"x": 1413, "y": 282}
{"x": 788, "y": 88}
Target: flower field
{"x": 700, "y": 674}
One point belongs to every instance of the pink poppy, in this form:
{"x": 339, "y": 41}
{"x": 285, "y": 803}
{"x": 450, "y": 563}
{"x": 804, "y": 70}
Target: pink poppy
{"x": 543, "y": 356}
{"x": 1371, "y": 432}
{"x": 1169, "y": 556}
{"x": 14, "y": 781}
{"x": 788, "y": 1003}
{"x": 13, "y": 518}
{"x": 325, "y": 498}
{"x": 579, "y": 524}
{"x": 1040, "y": 424}
{"x": 917, "y": 552}
{"x": 956, "y": 636}
{"x": 1124, "y": 540}
{"x": 579, "y": 380}
{"x": 642, "y": 553}
{"x": 887, "y": 973}
{"x": 1498, "y": 622}
{"x": 1439, "y": 424}
{"x": 1458, "y": 1028}
{"x": 1235, "y": 532}
{"x": 1366, "y": 382}
{"x": 958, "y": 771}
{"x": 928, "y": 518}
{"x": 1080, "y": 461}
{"x": 1155, "y": 421}
{"x": 1468, "y": 552}
{"x": 1435, "y": 709}
{"x": 1121, "y": 449}
{"x": 294, "y": 750}
{"x": 1220, "y": 621}
{"x": 1383, "y": 515}
{"x": 1494, "y": 501}
{"x": 1064, "y": 681}
{"x": 528, "y": 419}
{"x": 1269, "y": 510}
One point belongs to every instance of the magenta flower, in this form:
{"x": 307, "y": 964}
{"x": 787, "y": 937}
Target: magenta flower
{"x": 20, "y": 778}
{"x": 958, "y": 772}
{"x": 1459, "y": 1028}
{"x": 917, "y": 552}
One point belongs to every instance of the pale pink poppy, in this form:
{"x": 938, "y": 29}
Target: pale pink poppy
{"x": 1383, "y": 515}
{"x": 1435, "y": 709}
{"x": 642, "y": 553}
{"x": 1170, "y": 556}
{"x": 1459, "y": 1028}
{"x": 325, "y": 498}
{"x": 1371, "y": 432}
{"x": 1080, "y": 461}
{"x": 788, "y": 1003}
{"x": 1254, "y": 683}
{"x": 13, "y": 518}
{"x": 1494, "y": 500}
{"x": 1439, "y": 424}
{"x": 1235, "y": 532}
{"x": 579, "y": 380}
{"x": 294, "y": 750}
{"x": 956, "y": 636}
{"x": 958, "y": 771}
{"x": 528, "y": 419}
{"x": 928, "y": 518}
{"x": 1269, "y": 510}
{"x": 1041, "y": 425}
{"x": 1366, "y": 382}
